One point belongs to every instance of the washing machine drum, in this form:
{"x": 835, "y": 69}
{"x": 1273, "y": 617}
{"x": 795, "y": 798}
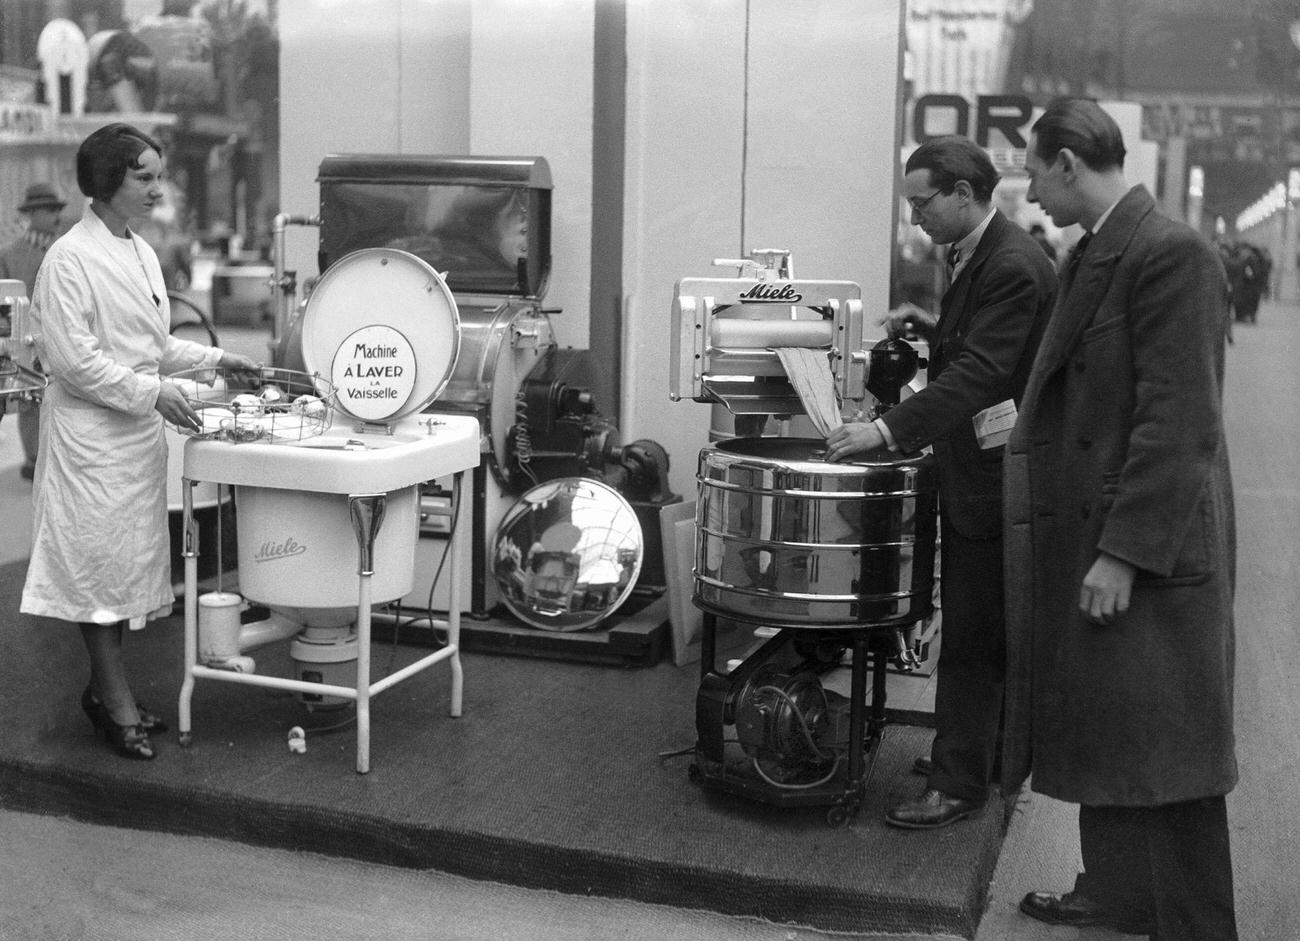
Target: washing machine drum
{"x": 382, "y": 326}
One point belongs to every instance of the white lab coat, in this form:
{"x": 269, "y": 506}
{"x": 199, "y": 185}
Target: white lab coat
{"x": 100, "y": 549}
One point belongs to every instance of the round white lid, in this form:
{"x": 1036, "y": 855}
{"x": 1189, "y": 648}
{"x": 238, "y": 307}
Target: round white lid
{"x": 382, "y": 326}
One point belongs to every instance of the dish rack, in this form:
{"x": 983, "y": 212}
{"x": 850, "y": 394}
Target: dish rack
{"x": 263, "y": 404}
{"x": 17, "y": 380}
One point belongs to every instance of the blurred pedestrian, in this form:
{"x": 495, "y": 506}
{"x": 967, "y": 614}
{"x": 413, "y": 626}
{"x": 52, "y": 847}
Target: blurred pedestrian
{"x": 1039, "y": 235}
{"x": 42, "y": 210}
{"x": 1248, "y": 276}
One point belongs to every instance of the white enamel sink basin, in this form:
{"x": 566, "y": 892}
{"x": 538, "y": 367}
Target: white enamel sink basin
{"x": 342, "y": 459}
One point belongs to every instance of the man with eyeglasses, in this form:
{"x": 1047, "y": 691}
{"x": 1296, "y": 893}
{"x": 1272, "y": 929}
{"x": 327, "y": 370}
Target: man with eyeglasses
{"x": 981, "y": 348}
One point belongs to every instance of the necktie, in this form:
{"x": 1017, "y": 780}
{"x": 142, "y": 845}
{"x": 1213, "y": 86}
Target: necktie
{"x": 1072, "y": 263}
{"x": 954, "y": 256}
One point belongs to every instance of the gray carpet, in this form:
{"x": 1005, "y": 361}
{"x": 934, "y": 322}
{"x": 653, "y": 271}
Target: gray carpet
{"x": 551, "y": 779}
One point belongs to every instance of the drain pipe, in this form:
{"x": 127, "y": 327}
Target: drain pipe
{"x": 395, "y": 620}
{"x": 284, "y": 284}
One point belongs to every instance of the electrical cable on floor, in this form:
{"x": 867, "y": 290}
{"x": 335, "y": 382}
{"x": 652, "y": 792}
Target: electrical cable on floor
{"x": 758, "y": 769}
{"x": 335, "y": 727}
{"x": 680, "y": 752}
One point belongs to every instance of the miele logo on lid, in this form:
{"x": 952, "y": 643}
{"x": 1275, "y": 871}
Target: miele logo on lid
{"x": 374, "y": 370}
{"x": 766, "y": 291}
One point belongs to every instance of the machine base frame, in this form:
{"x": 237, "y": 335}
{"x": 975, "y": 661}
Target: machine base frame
{"x": 843, "y": 790}
{"x": 365, "y": 687}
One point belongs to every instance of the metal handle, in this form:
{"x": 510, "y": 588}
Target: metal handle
{"x": 367, "y": 511}
{"x": 741, "y": 263}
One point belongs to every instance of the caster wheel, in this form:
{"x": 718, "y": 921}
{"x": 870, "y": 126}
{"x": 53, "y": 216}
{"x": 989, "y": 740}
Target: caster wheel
{"x": 839, "y": 817}
{"x": 185, "y": 738}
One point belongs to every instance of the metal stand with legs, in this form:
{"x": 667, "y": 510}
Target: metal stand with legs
{"x": 367, "y": 514}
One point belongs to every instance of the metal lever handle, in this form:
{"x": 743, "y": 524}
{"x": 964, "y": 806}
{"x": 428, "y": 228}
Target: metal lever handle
{"x": 741, "y": 263}
{"x": 905, "y": 654}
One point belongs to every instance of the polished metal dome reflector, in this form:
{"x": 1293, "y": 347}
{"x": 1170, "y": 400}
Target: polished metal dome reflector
{"x": 568, "y": 554}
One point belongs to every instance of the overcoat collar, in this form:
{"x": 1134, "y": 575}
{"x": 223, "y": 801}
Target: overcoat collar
{"x": 1077, "y": 302}
{"x": 954, "y": 299}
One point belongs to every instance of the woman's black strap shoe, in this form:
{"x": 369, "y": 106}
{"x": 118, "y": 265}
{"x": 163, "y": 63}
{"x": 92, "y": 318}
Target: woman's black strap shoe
{"x": 131, "y": 741}
{"x": 148, "y": 721}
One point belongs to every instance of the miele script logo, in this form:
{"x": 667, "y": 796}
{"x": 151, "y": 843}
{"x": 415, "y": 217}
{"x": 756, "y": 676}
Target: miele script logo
{"x": 763, "y": 291}
{"x": 270, "y": 551}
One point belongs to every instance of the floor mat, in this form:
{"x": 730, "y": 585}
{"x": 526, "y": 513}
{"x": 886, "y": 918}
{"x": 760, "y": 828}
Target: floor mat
{"x": 552, "y": 778}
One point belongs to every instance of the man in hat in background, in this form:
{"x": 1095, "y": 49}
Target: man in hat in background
{"x": 43, "y": 208}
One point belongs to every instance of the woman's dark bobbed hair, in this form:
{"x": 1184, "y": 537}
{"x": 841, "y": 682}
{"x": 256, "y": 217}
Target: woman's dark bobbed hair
{"x": 106, "y": 155}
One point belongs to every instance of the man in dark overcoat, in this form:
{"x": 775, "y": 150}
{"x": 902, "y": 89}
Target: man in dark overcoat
{"x": 990, "y": 320}
{"x": 1121, "y": 549}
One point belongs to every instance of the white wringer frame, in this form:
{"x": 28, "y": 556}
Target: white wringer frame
{"x": 326, "y": 467}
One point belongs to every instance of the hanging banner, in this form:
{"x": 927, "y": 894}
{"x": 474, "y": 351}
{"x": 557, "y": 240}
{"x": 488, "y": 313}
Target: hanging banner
{"x": 960, "y": 46}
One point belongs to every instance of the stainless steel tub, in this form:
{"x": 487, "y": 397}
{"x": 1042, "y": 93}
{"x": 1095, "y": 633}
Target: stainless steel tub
{"x": 785, "y": 538}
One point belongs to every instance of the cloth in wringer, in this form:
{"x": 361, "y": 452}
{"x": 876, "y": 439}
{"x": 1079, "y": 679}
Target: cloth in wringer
{"x": 809, "y": 372}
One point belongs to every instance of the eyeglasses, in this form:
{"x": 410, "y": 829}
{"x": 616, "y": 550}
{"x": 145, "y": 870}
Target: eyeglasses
{"x": 918, "y": 205}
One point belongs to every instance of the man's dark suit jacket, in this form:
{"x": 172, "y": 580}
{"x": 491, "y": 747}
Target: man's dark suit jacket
{"x": 990, "y": 322}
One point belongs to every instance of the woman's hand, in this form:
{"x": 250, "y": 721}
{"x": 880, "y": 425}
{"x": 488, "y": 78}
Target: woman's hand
{"x": 242, "y": 366}
{"x": 175, "y": 408}
{"x": 852, "y": 438}
{"x": 238, "y": 361}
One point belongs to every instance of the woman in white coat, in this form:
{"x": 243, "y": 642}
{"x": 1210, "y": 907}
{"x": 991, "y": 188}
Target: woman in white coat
{"x": 100, "y": 548}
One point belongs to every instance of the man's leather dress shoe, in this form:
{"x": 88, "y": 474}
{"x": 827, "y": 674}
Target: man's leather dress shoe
{"x": 1079, "y": 911}
{"x": 932, "y": 810}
